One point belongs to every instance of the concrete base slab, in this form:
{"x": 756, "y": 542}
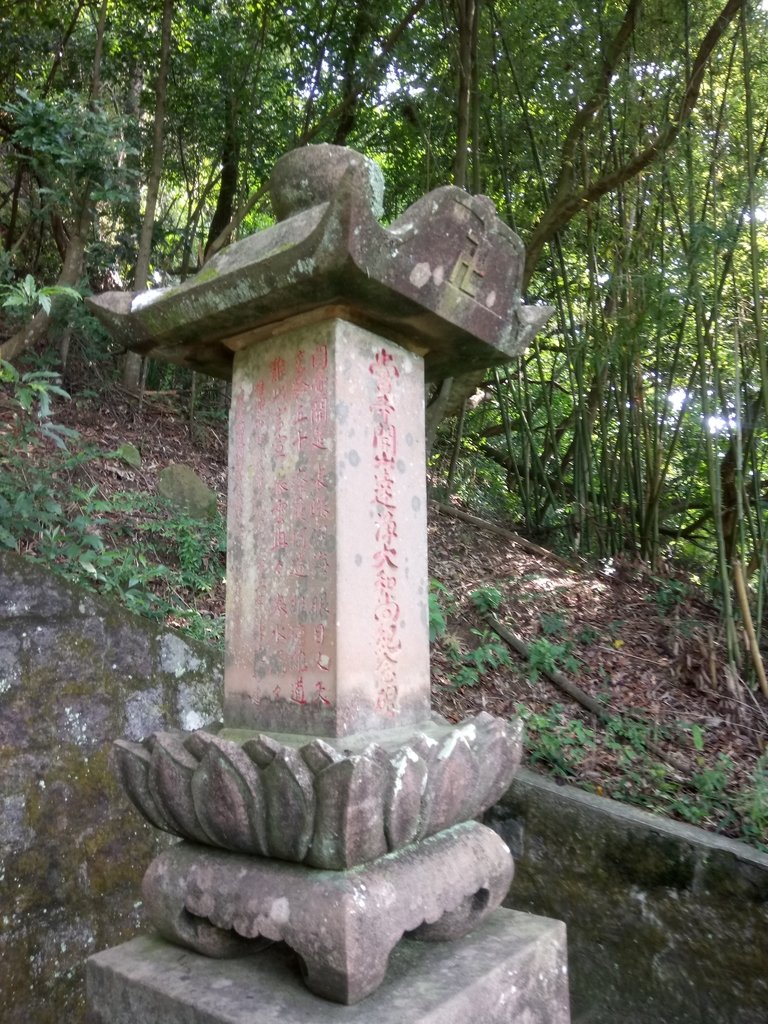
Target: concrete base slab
{"x": 510, "y": 970}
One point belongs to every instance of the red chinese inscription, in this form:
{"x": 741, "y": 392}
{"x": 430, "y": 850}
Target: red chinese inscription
{"x": 385, "y": 559}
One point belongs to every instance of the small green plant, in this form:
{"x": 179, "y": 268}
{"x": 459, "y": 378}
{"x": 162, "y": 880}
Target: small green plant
{"x": 24, "y": 296}
{"x": 545, "y": 656}
{"x": 440, "y": 601}
{"x": 486, "y": 599}
{"x": 488, "y": 656}
{"x": 557, "y": 740}
{"x": 553, "y": 623}
{"x": 670, "y": 594}
{"x": 697, "y": 736}
{"x": 587, "y": 635}
{"x": 712, "y": 783}
{"x": 752, "y": 805}
{"x": 30, "y": 395}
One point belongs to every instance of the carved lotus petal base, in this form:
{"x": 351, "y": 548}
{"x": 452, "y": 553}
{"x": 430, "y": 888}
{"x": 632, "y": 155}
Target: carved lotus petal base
{"x": 312, "y": 802}
{"x": 342, "y": 924}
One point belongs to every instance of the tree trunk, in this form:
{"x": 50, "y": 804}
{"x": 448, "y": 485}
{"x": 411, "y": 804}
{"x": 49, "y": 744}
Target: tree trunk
{"x": 349, "y": 92}
{"x": 230, "y": 163}
{"x": 132, "y": 362}
{"x": 467, "y": 24}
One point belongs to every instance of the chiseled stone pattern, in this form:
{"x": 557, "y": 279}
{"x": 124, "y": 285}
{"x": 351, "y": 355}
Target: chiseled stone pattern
{"x": 76, "y": 671}
{"x": 666, "y": 922}
{"x": 510, "y": 970}
{"x": 343, "y": 924}
{"x": 327, "y": 807}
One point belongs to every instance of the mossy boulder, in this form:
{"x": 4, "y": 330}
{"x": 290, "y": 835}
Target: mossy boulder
{"x": 183, "y": 488}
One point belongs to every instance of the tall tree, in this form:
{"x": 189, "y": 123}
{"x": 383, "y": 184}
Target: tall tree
{"x": 132, "y": 362}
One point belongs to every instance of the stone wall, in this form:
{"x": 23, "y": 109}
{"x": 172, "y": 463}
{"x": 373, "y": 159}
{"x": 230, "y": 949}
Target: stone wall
{"x": 667, "y": 924}
{"x": 76, "y": 672}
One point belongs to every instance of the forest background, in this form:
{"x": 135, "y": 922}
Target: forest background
{"x": 626, "y": 142}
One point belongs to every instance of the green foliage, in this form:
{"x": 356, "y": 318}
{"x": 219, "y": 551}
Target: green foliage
{"x": 546, "y": 656}
{"x": 671, "y": 594}
{"x": 560, "y": 743}
{"x": 486, "y": 599}
{"x": 712, "y": 797}
{"x": 553, "y": 623}
{"x": 25, "y": 295}
{"x": 70, "y": 145}
{"x": 133, "y": 546}
{"x": 440, "y": 601}
{"x": 30, "y": 394}
{"x": 161, "y": 564}
{"x": 752, "y": 805}
{"x": 489, "y": 655}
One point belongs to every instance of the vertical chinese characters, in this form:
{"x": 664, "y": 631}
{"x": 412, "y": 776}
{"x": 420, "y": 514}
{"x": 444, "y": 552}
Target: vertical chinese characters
{"x": 293, "y": 398}
{"x": 386, "y": 565}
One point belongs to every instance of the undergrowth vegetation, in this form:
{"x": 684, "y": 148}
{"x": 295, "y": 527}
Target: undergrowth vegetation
{"x": 132, "y": 545}
{"x": 710, "y": 796}
{"x": 672, "y": 767}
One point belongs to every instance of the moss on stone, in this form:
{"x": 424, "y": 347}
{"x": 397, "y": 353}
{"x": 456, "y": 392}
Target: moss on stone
{"x": 74, "y": 850}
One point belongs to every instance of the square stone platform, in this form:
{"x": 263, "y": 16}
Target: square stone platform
{"x": 510, "y": 970}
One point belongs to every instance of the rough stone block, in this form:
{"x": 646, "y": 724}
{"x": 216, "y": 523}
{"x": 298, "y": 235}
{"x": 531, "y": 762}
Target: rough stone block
{"x": 511, "y": 970}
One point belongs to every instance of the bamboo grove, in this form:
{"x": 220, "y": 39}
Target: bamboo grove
{"x": 626, "y": 141}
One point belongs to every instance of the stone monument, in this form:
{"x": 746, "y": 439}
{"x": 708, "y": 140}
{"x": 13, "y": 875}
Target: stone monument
{"x": 332, "y": 812}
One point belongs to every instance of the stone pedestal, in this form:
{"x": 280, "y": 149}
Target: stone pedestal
{"x": 343, "y": 924}
{"x": 510, "y": 970}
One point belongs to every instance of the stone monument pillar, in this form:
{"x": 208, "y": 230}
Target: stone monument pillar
{"x": 332, "y": 812}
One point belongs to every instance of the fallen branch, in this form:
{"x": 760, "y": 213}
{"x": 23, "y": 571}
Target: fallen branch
{"x": 599, "y": 710}
{"x": 484, "y": 524}
{"x": 575, "y": 692}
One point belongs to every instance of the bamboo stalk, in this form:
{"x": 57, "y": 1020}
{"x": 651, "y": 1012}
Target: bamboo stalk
{"x": 740, "y": 587}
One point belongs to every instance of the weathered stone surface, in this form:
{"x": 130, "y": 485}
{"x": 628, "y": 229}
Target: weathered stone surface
{"x": 511, "y": 970}
{"x": 330, "y": 316}
{"x": 444, "y": 278}
{"x": 76, "y": 671}
{"x": 295, "y": 188}
{"x": 328, "y": 806}
{"x": 666, "y": 922}
{"x": 229, "y": 797}
{"x": 327, "y": 596}
{"x": 181, "y": 485}
{"x": 343, "y": 924}
{"x": 129, "y": 454}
